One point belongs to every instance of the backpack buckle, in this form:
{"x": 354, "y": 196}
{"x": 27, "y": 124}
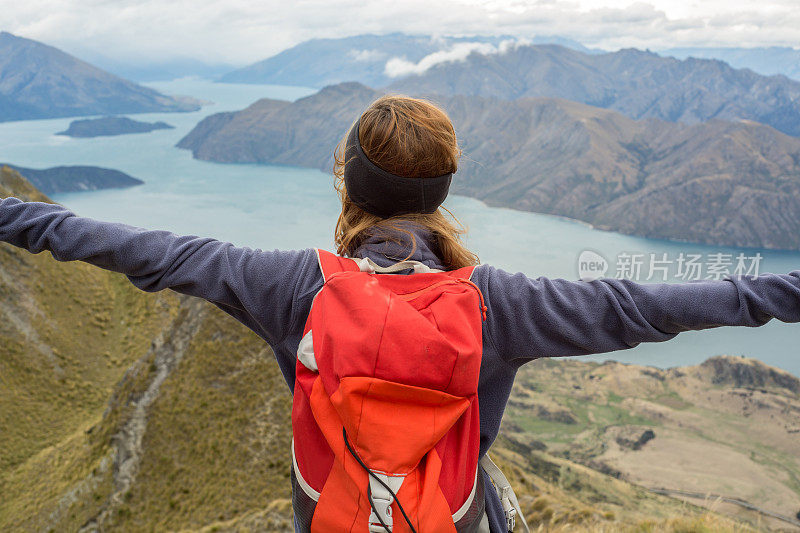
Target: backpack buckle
{"x": 384, "y": 509}
{"x": 382, "y": 490}
{"x": 510, "y": 520}
{"x": 508, "y": 508}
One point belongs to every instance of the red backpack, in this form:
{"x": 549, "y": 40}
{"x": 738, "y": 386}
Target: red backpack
{"x": 385, "y": 415}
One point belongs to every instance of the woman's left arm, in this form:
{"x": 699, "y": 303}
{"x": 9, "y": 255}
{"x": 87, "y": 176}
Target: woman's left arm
{"x": 256, "y": 287}
{"x": 530, "y": 318}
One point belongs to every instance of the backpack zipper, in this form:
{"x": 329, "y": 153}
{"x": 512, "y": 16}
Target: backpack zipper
{"x": 480, "y": 295}
{"x": 481, "y": 306}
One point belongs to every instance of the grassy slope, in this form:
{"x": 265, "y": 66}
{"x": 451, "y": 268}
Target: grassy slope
{"x": 77, "y": 354}
{"x": 217, "y": 438}
{"x": 69, "y": 332}
{"x": 125, "y": 411}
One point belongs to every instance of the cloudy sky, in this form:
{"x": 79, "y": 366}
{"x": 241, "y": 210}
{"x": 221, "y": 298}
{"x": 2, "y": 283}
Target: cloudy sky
{"x": 242, "y": 31}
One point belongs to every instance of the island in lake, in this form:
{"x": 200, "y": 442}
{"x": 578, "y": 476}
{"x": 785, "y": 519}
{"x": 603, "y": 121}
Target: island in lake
{"x": 75, "y": 178}
{"x": 105, "y": 126}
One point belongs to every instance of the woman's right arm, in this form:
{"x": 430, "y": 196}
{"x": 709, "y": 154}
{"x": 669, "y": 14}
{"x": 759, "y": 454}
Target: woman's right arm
{"x": 531, "y": 318}
{"x": 256, "y": 287}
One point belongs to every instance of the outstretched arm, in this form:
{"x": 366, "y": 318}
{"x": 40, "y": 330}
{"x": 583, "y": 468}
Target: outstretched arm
{"x": 254, "y": 286}
{"x": 530, "y": 318}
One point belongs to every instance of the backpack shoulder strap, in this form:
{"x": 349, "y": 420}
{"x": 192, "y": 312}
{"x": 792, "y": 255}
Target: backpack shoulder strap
{"x": 507, "y": 497}
{"x": 330, "y": 264}
{"x": 463, "y": 273}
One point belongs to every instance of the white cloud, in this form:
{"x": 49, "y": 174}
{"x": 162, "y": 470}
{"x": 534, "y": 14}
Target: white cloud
{"x": 243, "y": 31}
{"x": 458, "y": 52}
{"x": 397, "y": 66}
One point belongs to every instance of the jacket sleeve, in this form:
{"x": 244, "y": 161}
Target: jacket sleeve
{"x": 254, "y": 286}
{"x": 531, "y": 318}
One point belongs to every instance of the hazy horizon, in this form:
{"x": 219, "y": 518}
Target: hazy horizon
{"x": 238, "y": 33}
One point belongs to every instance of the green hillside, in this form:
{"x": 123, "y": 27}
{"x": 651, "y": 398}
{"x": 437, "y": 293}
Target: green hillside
{"x": 126, "y": 409}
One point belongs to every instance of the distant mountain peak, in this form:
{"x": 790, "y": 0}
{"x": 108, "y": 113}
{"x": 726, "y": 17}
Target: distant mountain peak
{"x": 40, "y": 81}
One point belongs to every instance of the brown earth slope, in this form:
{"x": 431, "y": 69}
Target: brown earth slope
{"x": 728, "y": 427}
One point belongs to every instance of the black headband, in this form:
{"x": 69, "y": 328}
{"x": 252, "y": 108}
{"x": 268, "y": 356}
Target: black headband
{"x": 385, "y": 194}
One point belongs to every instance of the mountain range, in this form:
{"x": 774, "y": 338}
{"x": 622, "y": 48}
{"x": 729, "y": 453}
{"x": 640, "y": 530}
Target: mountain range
{"x": 635, "y": 83}
{"x": 127, "y": 411}
{"x": 639, "y": 84}
{"x": 767, "y": 60}
{"x": 39, "y": 81}
{"x": 141, "y": 69}
{"x": 718, "y": 182}
{"x": 321, "y": 62}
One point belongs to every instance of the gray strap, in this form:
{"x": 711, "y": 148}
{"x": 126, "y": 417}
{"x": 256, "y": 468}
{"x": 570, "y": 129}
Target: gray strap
{"x": 506, "y": 493}
{"x": 366, "y": 264}
{"x": 483, "y": 526}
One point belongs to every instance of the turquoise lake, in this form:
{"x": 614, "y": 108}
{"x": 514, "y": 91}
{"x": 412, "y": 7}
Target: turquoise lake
{"x": 271, "y": 207}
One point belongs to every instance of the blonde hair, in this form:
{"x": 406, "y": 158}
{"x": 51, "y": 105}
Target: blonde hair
{"x": 412, "y": 138}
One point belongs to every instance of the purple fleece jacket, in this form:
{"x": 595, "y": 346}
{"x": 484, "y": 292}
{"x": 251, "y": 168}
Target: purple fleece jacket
{"x": 271, "y": 293}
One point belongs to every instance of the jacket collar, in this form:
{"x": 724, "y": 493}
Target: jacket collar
{"x": 386, "y": 247}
